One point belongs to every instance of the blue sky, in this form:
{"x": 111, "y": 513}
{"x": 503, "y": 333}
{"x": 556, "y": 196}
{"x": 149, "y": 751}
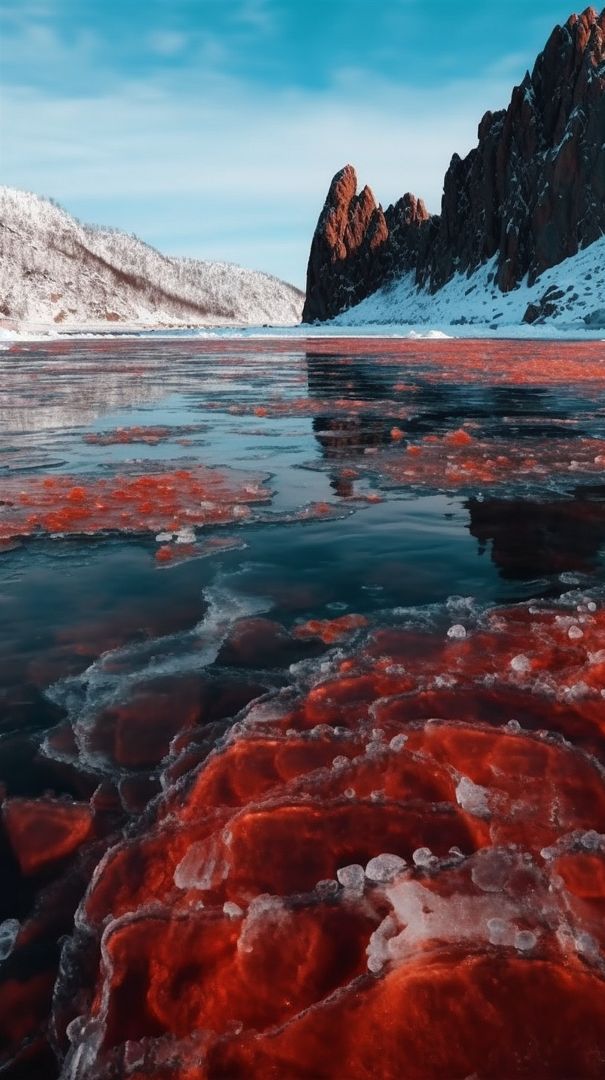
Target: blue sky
{"x": 212, "y": 127}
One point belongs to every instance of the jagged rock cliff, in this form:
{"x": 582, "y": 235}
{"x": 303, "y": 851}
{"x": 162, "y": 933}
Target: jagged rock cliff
{"x": 531, "y": 194}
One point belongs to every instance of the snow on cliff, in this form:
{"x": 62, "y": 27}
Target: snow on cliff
{"x": 55, "y": 270}
{"x": 570, "y": 296}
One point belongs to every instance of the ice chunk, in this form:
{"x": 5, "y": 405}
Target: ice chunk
{"x": 398, "y": 742}
{"x": 326, "y": 888}
{"x": 491, "y": 869}
{"x": 521, "y": 664}
{"x": 423, "y": 856}
{"x": 457, "y": 631}
{"x": 186, "y": 535}
{"x": 351, "y": 877}
{"x": 9, "y": 930}
{"x": 232, "y": 911}
{"x": 384, "y": 867}
{"x": 340, "y": 762}
{"x": 525, "y": 940}
{"x": 499, "y": 932}
{"x": 592, "y": 840}
{"x": 472, "y": 797}
{"x": 575, "y": 632}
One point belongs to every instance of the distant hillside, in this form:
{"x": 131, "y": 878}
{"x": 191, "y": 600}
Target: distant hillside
{"x": 55, "y": 270}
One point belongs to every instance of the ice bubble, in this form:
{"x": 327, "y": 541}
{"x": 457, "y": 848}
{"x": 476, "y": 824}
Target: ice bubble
{"x": 231, "y": 910}
{"x": 340, "y": 762}
{"x": 491, "y": 870}
{"x": 472, "y": 797}
{"x": 398, "y": 742}
{"x": 520, "y": 664}
{"x": 525, "y": 940}
{"x": 587, "y": 945}
{"x": 457, "y": 631}
{"x": 349, "y": 793}
{"x": 444, "y": 682}
{"x": 575, "y": 632}
{"x": 351, "y": 877}
{"x": 513, "y": 726}
{"x": 326, "y": 888}
{"x": 384, "y": 867}
{"x": 592, "y": 840}
{"x": 9, "y": 930}
{"x": 423, "y": 856}
{"x": 498, "y": 931}
{"x": 591, "y": 605}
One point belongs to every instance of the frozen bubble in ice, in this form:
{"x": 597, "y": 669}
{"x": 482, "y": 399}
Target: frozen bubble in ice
{"x": 575, "y": 632}
{"x": 351, "y": 877}
{"x": 384, "y": 867}
{"x": 498, "y": 931}
{"x": 457, "y": 631}
{"x": 349, "y": 793}
{"x": 587, "y": 945}
{"x": 491, "y": 870}
{"x": 592, "y": 840}
{"x": 398, "y": 742}
{"x": 232, "y": 911}
{"x": 525, "y": 940}
{"x": 326, "y": 888}
{"x": 444, "y": 682}
{"x": 520, "y": 664}
{"x": 340, "y": 762}
{"x": 9, "y": 930}
{"x": 513, "y": 726}
{"x": 591, "y": 605}
{"x": 472, "y": 797}
{"x": 568, "y": 578}
{"x": 423, "y": 856}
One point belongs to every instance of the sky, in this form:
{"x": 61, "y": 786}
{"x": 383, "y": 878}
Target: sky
{"x": 212, "y": 128}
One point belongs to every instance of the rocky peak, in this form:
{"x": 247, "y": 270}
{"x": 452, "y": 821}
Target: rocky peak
{"x": 355, "y": 244}
{"x": 530, "y": 194}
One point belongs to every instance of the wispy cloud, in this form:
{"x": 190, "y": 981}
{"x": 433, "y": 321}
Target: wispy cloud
{"x": 233, "y": 155}
{"x": 177, "y": 142}
{"x": 167, "y": 42}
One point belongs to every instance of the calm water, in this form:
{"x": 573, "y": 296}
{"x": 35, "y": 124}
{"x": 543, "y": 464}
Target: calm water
{"x": 424, "y": 488}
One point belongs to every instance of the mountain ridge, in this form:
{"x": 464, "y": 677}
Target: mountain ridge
{"x": 55, "y": 270}
{"x": 530, "y": 194}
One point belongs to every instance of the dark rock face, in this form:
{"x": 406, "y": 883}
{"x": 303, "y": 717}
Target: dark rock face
{"x": 531, "y": 193}
{"x": 356, "y": 244}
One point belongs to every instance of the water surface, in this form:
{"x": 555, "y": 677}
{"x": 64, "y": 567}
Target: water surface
{"x": 382, "y": 561}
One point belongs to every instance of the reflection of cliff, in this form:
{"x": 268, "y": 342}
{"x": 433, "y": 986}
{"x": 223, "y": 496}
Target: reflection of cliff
{"x": 531, "y": 538}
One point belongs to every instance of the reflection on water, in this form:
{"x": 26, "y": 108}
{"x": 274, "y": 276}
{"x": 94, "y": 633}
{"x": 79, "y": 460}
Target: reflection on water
{"x": 366, "y": 578}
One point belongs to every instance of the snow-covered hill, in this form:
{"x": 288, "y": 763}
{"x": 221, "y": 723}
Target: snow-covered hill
{"x": 54, "y": 270}
{"x": 570, "y": 296}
